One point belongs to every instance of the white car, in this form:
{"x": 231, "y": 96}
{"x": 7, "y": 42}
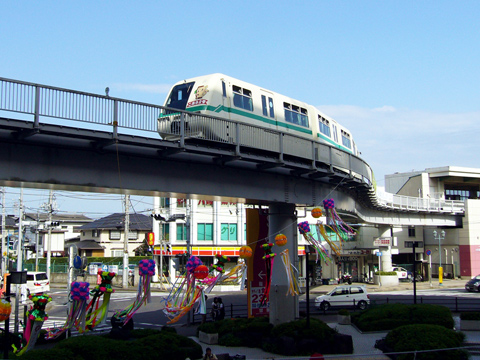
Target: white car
{"x": 37, "y": 282}
{"x": 402, "y": 273}
{"x": 354, "y": 295}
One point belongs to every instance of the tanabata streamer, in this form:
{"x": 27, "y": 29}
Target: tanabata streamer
{"x": 146, "y": 269}
{"x": 293, "y": 288}
{"x": 35, "y": 318}
{"x": 335, "y": 223}
{"x": 96, "y": 313}
{"x": 304, "y": 229}
{"x": 269, "y": 257}
{"x": 79, "y": 294}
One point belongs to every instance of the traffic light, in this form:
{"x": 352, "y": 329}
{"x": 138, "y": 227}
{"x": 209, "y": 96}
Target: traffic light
{"x": 150, "y": 238}
{"x": 176, "y": 264}
{"x": 169, "y": 248}
{"x": 158, "y": 217}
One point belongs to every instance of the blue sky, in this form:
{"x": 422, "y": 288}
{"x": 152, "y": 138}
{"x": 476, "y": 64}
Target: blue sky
{"x": 403, "y": 76}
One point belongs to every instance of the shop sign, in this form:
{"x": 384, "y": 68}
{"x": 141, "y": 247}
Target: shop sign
{"x": 383, "y": 241}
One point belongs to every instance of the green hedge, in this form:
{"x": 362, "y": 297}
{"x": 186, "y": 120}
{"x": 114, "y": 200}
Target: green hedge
{"x": 391, "y": 316}
{"x": 386, "y": 273}
{"x": 94, "y": 347}
{"x": 474, "y": 315}
{"x": 425, "y": 337}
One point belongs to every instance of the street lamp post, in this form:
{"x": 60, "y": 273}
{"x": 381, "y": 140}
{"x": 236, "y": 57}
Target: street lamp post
{"x": 440, "y": 237}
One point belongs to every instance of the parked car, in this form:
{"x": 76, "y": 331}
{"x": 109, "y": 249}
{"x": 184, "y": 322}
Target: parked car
{"x": 473, "y": 284}
{"x": 402, "y": 273}
{"x": 37, "y": 282}
{"x": 344, "y": 296}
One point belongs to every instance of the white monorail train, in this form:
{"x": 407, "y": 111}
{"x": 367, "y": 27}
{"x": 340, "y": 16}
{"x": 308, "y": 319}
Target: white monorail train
{"x": 223, "y": 96}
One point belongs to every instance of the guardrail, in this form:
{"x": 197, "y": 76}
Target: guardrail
{"x": 58, "y": 103}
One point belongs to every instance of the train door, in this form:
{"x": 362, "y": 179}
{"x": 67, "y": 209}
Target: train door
{"x": 335, "y": 134}
{"x": 268, "y": 109}
{"x": 226, "y": 99}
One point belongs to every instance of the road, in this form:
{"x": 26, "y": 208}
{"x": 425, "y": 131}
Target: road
{"x": 152, "y": 316}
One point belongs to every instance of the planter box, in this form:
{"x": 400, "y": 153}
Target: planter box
{"x": 469, "y": 325}
{"x": 205, "y": 338}
{"x": 344, "y": 319}
{"x": 385, "y": 280}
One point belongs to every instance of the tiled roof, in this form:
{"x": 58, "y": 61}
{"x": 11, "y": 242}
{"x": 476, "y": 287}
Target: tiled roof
{"x": 117, "y": 221}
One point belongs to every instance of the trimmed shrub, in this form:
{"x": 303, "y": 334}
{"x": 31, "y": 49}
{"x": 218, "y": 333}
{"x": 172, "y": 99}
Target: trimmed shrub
{"x": 343, "y": 312}
{"x": 386, "y": 273}
{"x": 425, "y": 337}
{"x": 391, "y": 316}
{"x": 295, "y": 338}
{"x": 93, "y": 347}
{"x": 474, "y": 315}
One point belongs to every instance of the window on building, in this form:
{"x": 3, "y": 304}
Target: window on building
{"x": 165, "y": 232}
{"x": 295, "y": 114}
{"x": 205, "y": 231}
{"x": 228, "y": 231}
{"x": 181, "y": 232}
{"x": 133, "y": 235}
{"x": 346, "y": 140}
{"x": 95, "y": 233}
{"x": 181, "y": 203}
{"x": 115, "y": 235}
{"x": 324, "y": 125}
{"x": 242, "y": 98}
{"x": 165, "y": 202}
{"x": 411, "y": 232}
{"x": 117, "y": 253}
{"x": 205, "y": 203}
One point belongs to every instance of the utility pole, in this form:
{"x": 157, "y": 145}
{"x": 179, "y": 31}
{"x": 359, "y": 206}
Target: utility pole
{"x": 125, "y": 242}
{"x": 49, "y": 241}
{"x": 19, "y": 258}
{"x": 3, "y": 233}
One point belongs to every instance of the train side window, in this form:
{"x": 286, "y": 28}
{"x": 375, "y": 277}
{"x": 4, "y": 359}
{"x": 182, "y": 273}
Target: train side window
{"x": 242, "y": 98}
{"x": 324, "y": 126}
{"x": 346, "y": 140}
{"x": 270, "y": 105}
{"x": 296, "y": 115}
{"x": 264, "y": 105}
{"x": 224, "y": 89}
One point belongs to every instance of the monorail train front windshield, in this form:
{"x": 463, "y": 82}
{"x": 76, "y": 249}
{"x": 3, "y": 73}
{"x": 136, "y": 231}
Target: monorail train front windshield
{"x": 179, "y": 96}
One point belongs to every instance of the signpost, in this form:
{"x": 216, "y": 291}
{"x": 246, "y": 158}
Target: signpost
{"x": 429, "y": 253}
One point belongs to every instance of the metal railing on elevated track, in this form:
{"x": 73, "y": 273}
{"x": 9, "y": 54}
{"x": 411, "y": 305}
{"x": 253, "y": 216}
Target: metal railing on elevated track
{"x": 323, "y": 160}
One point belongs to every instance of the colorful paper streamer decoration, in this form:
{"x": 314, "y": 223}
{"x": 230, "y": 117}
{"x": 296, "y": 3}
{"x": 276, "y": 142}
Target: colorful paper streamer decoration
{"x": 146, "y": 269}
{"x": 5, "y": 309}
{"x": 293, "y": 288}
{"x": 35, "y": 318}
{"x": 316, "y": 212}
{"x": 269, "y": 257}
{"x": 79, "y": 294}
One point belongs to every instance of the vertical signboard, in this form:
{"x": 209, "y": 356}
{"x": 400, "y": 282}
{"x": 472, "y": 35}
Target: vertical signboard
{"x": 257, "y": 233}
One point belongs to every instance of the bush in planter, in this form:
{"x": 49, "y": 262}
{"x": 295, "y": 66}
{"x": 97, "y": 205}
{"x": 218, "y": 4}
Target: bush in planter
{"x": 209, "y": 327}
{"x": 474, "y": 315}
{"x": 386, "y": 273}
{"x": 343, "y": 312}
{"x": 425, "y": 337}
{"x": 390, "y": 316}
{"x": 294, "y": 338}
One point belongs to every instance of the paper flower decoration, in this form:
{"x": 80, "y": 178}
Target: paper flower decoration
{"x": 280, "y": 240}
{"x": 304, "y": 227}
{"x": 201, "y": 272}
{"x": 245, "y": 252}
{"x": 316, "y": 212}
{"x": 79, "y": 290}
{"x": 5, "y": 309}
{"x": 146, "y": 267}
{"x": 192, "y": 263}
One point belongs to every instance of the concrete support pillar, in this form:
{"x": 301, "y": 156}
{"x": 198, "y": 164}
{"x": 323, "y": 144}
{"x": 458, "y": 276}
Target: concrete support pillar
{"x": 282, "y": 219}
{"x": 386, "y": 258}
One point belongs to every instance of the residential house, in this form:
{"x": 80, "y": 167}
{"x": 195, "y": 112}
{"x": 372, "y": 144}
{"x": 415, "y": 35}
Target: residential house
{"x": 105, "y": 237}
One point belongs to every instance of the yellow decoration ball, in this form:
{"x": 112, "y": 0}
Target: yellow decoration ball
{"x": 280, "y": 239}
{"x": 316, "y": 212}
{"x": 5, "y": 310}
{"x": 245, "y": 252}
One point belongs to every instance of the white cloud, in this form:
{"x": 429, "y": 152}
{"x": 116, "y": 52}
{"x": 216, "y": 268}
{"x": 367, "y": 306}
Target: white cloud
{"x": 395, "y": 139}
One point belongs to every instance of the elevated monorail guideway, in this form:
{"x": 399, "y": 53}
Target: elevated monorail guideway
{"x": 65, "y": 139}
